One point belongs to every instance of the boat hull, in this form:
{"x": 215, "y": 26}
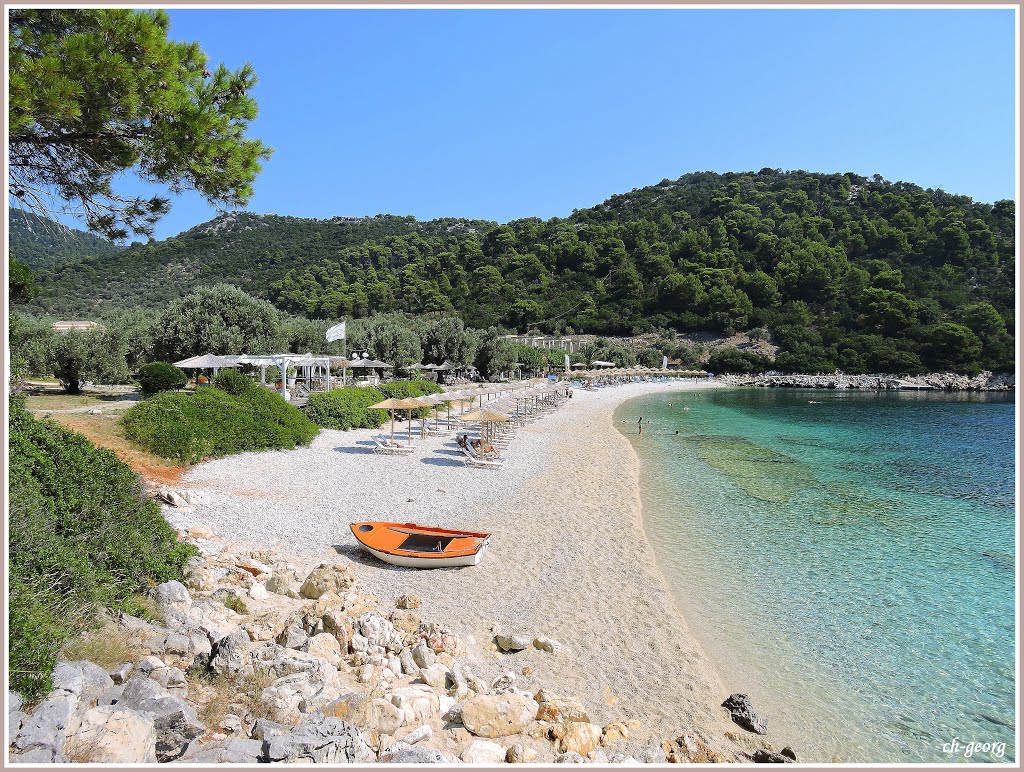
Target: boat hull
{"x": 417, "y": 546}
{"x": 409, "y": 561}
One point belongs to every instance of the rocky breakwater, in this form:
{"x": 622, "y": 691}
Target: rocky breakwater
{"x": 247, "y": 663}
{"x": 985, "y": 381}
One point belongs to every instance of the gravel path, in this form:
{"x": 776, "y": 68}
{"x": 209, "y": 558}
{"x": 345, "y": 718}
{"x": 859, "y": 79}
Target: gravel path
{"x": 568, "y": 555}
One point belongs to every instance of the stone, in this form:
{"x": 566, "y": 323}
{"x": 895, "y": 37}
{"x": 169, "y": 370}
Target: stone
{"x": 366, "y": 711}
{"x": 200, "y": 532}
{"x": 520, "y": 754}
{"x": 405, "y": 621}
{"x": 327, "y": 578}
{"x": 293, "y": 636}
{"x": 544, "y": 643}
{"x": 322, "y": 740}
{"x": 742, "y": 712}
{"x": 622, "y": 758}
{"x": 231, "y": 653}
{"x": 483, "y": 752}
{"x": 503, "y": 683}
{"x": 258, "y": 591}
{"x": 570, "y": 758}
{"x": 652, "y": 754}
{"x": 264, "y": 728}
{"x": 422, "y": 655}
{"x": 498, "y": 715}
{"x": 231, "y": 724}
{"x": 43, "y": 732}
{"x": 82, "y": 679}
{"x": 403, "y": 753}
{"x": 14, "y": 701}
{"x": 325, "y": 646}
{"x": 417, "y": 702}
{"x": 114, "y": 735}
{"x": 279, "y": 583}
{"x": 120, "y": 675}
{"x": 232, "y": 750}
{"x": 512, "y": 643}
{"x": 111, "y": 696}
{"x": 419, "y": 734}
{"x": 552, "y": 707}
{"x": 365, "y": 674}
{"x": 172, "y": 601}
{"x": 688, "y": 749}
{"x": 763, "y": 756}
{"x": 788, "y": 753}
{"x": 578, "y": 737}
{"x": 436, "y": 675}
{"x": 175, "y": 720}
{"x": 408, "y": 601}
{"x": 378, "y": 631}
{"x": 598, "y": 756}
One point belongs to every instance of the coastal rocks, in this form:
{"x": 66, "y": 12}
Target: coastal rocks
{"x": 81, "y": 680}
{"x": 403, "y": 753}
{"x": 742, "y": 712}
{"x": 405, "y": 621}
{"x": 327, "y": 578}
{"x": 483, "y": 752}
{"x": 520, "y": 754}
{"x": 367, "y": 711}
{"x": 577, "y": 737}
{"x": 550, "y": 645}
{"x": 172, "y": 601}
{"x": 436, "y": 675}
{"x": 513, "y": 643}
{"x": 42, "y": 735}
{"x": 231, "y": 653}
{"x": 325, "y": 646}
{"x": 279, "y": 583}
{"x": 498, "y": 715}
{"x": 228, "y": 751}
{"x": 554, "y": 708}
{"x": 113, "y": 734}
{"x": 417, "y": 703}
{"x": 985, "y": 381}
{"x": 422, "y": 655}
{"x": 690, "y": 750}
{"x": 408, "y": 602}
{"x": 379, "y": 632}
{"x": 763, "y": 756}
{"x": 321, "y": 740}
{"x": 174, "y": 719}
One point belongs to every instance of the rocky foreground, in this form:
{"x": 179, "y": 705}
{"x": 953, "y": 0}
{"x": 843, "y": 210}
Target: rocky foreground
{"x": 249, "y": 664}
{"x": 985, "y": 381}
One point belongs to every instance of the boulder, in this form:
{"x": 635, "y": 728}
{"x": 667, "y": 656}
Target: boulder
{"x": 115, "y": 735}
{"x": 578, "y": 737}
{"x": 408, "y": 601}
{"x": 284, "y": 697}
{"x": 503, "y": 683}
{"x": 406, "y": 622}
{"x": 264, "y": 728}
{"x": 175, "y": 720}
{"x": 366, "y": 711}
{"x": 327, "y": 578}
{"x": 652, "y": 754}
{"x": 511, "y": 643}
{"x": 417, "y": 702}
{"x": 231, "y": 653}
{"x": 570, "y": 758}
{"x": 172, "y": 601}
{"x": 378, "y": 631}
{"x": 435, "y": 676}
{"x": 83, "y": 680}
{"x": 293, "y": 636}
{"x": 322, "y": 740}
{"x": 326, "y": 647}
{"x": 403, "y": 753}
{"x": 742, "y": 712}
{"x": 520, "y": 754}
{"x": 552, "y": 707}
{"x": 688, "y": 749}
{"x": 422, "y": 655}
{"x": 419, "y": 734}
{"x": 498, "y": 715}
{"x": 279, "y": 583}
{"x": 42, "y": 734}
{"x": 199, "y": 532}
{"x": 120, "y": 675}
{"x": 483, "y": 752}
{"x": 614, "y": 733}
{"x": 623, "y": 758}
{"x": 409, "y": 666}
{"x": 229, "y": 751}
{"x": 763, "y": 756}
{"x": 258, "y": 591}
{"x": 544, "y": 643}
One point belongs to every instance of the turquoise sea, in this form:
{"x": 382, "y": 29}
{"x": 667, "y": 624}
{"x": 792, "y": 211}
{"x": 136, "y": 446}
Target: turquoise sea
{"x": 847, "y": 559}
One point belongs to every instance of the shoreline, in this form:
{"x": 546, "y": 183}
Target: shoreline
{"x": 566, "y": 561}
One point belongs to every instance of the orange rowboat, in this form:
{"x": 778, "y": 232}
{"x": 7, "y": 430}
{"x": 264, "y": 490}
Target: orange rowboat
{"x": 420, "y": 546}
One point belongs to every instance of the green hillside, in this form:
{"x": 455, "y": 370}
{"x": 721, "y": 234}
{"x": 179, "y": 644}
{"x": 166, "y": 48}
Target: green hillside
{"x": 42, "y": 243}
{"x": 846, "y": 271}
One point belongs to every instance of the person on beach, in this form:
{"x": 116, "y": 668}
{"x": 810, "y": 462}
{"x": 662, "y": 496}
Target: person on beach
{"x": 640, "y": 426}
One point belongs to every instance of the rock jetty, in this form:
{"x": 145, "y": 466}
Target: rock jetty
{"x": 986, "y": 381}
{"x": 249, "y": 661}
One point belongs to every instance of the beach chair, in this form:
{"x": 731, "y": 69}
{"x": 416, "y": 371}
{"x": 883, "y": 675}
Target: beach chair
{"x": 386, "y": 448}
{"x": 475, "y": 461}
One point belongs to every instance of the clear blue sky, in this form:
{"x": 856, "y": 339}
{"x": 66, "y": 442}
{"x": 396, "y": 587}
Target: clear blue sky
{"x": 501, "y": 114}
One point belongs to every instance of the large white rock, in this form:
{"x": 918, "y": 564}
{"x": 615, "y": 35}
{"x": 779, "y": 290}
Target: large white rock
{"x": 498, "y": 715}
{"x": 326, "y": 647}
{"x": 172, "y": 601}
{"x": 114, "y": 735}
{"x": 417, "y": 702}
{"x": 483, "y": 752}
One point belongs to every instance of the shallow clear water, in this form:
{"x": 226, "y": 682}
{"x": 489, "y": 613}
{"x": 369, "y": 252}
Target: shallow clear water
{"x": 846, "y": 558}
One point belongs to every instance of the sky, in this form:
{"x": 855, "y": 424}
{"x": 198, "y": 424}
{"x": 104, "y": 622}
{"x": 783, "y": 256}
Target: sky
{"x": 502, "y": 114}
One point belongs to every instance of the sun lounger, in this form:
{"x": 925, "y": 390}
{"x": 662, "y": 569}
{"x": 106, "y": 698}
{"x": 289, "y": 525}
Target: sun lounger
{"x": 480, "y": 463}
{"x": 386, "y": 448}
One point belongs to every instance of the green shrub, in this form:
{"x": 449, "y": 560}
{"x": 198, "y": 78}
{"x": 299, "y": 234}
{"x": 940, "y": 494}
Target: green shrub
{"x": 160, "y": 376}
{"x": 83, "y": 535}
{"x": 731, "y": 360}
{"x": 233, "y": 382}
{"x": 212, "y": 423}
{"x": 348, "y": 408}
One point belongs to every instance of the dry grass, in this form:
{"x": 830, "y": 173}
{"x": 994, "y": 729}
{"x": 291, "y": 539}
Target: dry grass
{"x": 83, "y": 751}
{"x": 109, "y": 647}
{"x": 250, "y": 692}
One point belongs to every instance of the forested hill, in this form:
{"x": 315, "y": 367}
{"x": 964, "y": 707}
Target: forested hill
{"x": 846, "y": 271}
{"x": 39, "y": 242}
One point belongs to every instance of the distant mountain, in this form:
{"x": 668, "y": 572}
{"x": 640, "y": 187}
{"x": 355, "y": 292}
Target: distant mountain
{"x": 42, "y": 243}
{"x": 845, "y": 271}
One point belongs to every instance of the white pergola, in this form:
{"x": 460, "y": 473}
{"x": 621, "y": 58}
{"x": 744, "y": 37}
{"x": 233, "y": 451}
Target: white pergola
{"x": 312, "y": 366}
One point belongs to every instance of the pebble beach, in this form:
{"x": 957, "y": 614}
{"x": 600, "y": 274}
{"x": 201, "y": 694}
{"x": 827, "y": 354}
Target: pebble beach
{"x": 568, "y": 556}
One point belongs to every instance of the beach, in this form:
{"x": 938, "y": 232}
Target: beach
{"x": 568, "y": 557}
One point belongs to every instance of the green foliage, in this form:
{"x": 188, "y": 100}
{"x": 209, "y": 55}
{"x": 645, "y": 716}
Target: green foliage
{"x": 97, "y": 355}
{"x": 405, "y": 389}
{"x": 83, "y": 535}
{"x": 42, "y": 243}
{"x": 346, "y": 408}
{"x": 21, "y": 287}
{"x": 160, "y": 376}
{"x": 236, "y": 604}
{"x": 953, "y": 347}
{"x": 212, "y": 423}
{"x": 494, "y": 355}
{"x": 220, "y": 319}
{"x": 731, "y": 360}
{"x": 94, "y": 93}
{"x": 233, "y": 382}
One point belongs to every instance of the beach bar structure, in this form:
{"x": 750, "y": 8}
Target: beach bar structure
{"x": 313, "y": 371}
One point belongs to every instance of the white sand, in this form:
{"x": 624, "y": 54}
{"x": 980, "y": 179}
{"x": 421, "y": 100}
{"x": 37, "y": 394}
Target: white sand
{"x": 568, "y": 556}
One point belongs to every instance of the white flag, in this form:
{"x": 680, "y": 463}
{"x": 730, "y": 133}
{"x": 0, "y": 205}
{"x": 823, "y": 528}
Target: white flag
{"x": 567, "y": 368}
{"x": 664, "y": 363}
{"x": 337, "y": 332}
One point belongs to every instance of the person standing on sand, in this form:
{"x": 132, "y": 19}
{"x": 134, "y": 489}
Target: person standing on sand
{"x": 640, "y": 426}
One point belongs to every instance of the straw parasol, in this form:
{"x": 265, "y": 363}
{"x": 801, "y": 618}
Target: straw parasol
{"x": 486, "y": 416}
{"x": 398, "y": 404}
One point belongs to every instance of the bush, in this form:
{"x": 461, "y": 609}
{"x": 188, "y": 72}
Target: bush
{"x": 348, "y": 408}
{"x": 731, "y": 360}
{"x": 160, "y": 376}
{"x": 233, "y": 382}
{"x": 83, "y": 535}
{"x": 212, "y": 423}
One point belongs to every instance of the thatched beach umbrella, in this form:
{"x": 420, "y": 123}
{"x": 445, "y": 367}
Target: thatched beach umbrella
{"x": 486, "y": 417}
{"x": 398, "y": 404}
